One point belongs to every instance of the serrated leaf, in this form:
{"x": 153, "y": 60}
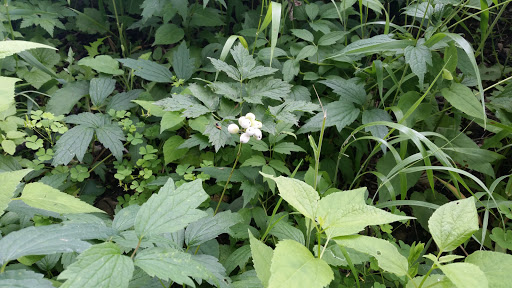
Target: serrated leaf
{"x": 170, "y": 209}
{"x": 45, "y": 240}
{"x": 183, "y": 65}
{"x": 239, "y": 258}
{"x": 462, "y": 98}
{"x": 432, "y": 281}
{"x": 8, "y": 48}
{"x": 262, "y": 259}
{"x": 418, "y": 57}
{"x": 298, "y": 194}
{"x": 204, "y": 95}
{"x": 331, "y": 38}
{"x": 306, "y": 52}
{"x": 303, "y": 34}
{"x": 284, "y": 112}
{"x": 249, "y": 191}
{"x": 453, "y": 223}
{"x": 465, "y": 275}
{"x": 210, "y": 227}
{"x": 7, "y": 91}
{"x": 74, "y": 142}
{"x": 148, "y": 70}
{"x": 294, "y": 266}
{"x": 487, "y": 261}
{"x": 188, "y": 105}
{"x": 291, "y": 68}
{"x": 111, "y": 136}
{"x": 258, "y": 89}
{"x": 10, "y": 181}
{"x": 232, "y": 91}
{"x": 283, "y": 230}
{"x": 102, "y": 63}
{"x": 339, "y": 114}
{"x": 244, "y": 61}
{"x": 100, "y": 266}
{"x": 168, "y": 34}
{"x": 42, "y": 196}
{"x": 195, "y": 140}
{"x": 231, "y": 71}
{"x": 218, "y": 137}
{"x": 345, "y": 213}
{"x": 123, "y": 101}
{"x": 125, "y": 219}
{"x": 374, "y": 115}
{"x": 24, "y": 279}
{"x": 287, "y": 148}
{"x": 100, "y": 89}
{"x": 64, "y": 99}
{"x": 348, "y": 90}
{"x": 387, "y": 255}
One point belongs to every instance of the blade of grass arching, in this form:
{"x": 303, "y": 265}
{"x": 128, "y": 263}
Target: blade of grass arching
{"x": 267, "y": 20}
{"x": 276, "y": 24}
{"x": 395, "y": 203}
{"x": 229, "y": 43}
{"x": 403, "y": 176}
{"x": 379, "y": 72}
{"x": 264, "y": 25}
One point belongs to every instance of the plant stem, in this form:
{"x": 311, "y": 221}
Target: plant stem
{"x": 229, "y": 178}
{"x": 136, "y": 248}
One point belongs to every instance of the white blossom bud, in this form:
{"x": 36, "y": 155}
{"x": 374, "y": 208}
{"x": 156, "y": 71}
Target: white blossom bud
{"x": 233, "y": 128}
{"x": 250, "y": 131}
{"x": 256, "y": 124}
{"x": 244, "y": 122}
{"x": 257, "y": 134}
{"x": 244, "y": 138}
{"x": 250, "y": 116}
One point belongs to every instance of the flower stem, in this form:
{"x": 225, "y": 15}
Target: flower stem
{"x": 229, "y": 178}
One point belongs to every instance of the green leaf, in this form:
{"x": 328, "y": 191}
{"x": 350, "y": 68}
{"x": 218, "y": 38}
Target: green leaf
{"x": 303, "y": 34}
{"x": 432, "y": 281}
{"x": 306, "y": 52}
{"x": 171, "y": 151}
{"x": 218, "y": 137}
{"x": 168, "y": 34}
{"x": 190, "y": 106}
{"x": 462, "y": 98}
{"x": 262, "y": 259}
{"x": 345, "y": 213}
{"x": 183, "y": 65}
{"x": 123, "y": 101}
{"x": 287, "y": 148}
{"x": 171, "y": 121}
{"x": 374, "y": 115}
{"x": 42, "y": 196}
{"x": 150, "y": 107}
{"x": 331, "y": 38}
{"x": 231, "y": 71}
{"x": 418, "y": 57}
{"x": 258, "y": 89}
{"x": 209, "y": 99}
{"x": 502, "y": 238}
{"x": 10, "y": 181}
{"x": 453, "y": 223}
{"x": 375, "y": 44}
{"x": 74, "y": 142}
{"x": 24, "y": 279}
{"x": 239, "y": 258}
{"x": 254, "y": 161}
{"x": 205, "y": 17}
{"x": 148, "y": 70}
{"x": 102, "y": 63}
{"x": 284, "y": 112}
{"x": 100, "y": 266}
{"x": 339, "y": 114}
{"x": 298, "y": 194}
{"x": 125, "y": 219}
{"x": 64, "y": 99}
{"x": 7, "y": 91}
{"x": 387, "y": 255}
{"x": 100, "y": 89}
{"x": 171, "y": 209}
{"x": 8, "y": 48}
{"x": 294, "y": 266}
{"x": 487, "y": 261}
{"x": 9, "y": 146}
{"x": 195, "y": 140}
{"x": 465, "y": 275}
{"x": 50, "y": 239}
{"x": 111, "y": 136}
{"x": 350, "y": 90}
{"x": 284, "y": 230}
{"x": 210, "y": 227}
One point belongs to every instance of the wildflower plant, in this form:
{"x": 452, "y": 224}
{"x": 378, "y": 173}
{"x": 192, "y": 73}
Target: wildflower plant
{"x": 250, "y": 128}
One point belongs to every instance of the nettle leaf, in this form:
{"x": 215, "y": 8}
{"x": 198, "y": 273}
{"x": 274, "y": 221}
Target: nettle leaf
{"x": 418, "y": 57}
{"x": 231, "y": 71}
{"x": 102, "y": 63}
{"x": 188, "y": 105}
{"x": 123, "y": 101}
{"x": 100, "y": 89}
{"x": 453, "y": 223}
{"x": 42, "y": 196}
{"x": 345, "y": 213}
{"x": 247, "y": 65}
{"x": 294, "y": 266}
{"x": 100, "y": 266}
{"x": 50, "y": 239}
{"x": 171, "y": 209}
{"x": 287, "y": 148}
{"x": 349, "y": 90}
{"x": 24, "y": 279}
{"x": 271, "y": 88}
{"x": 8, "y": 48}
{"x": 232, "y": 91}
{"x": 148, "y": 70}
{"x": 284, "y": 112}
{"x": 73, "y": 143}
{"x": 462, "y": 98}
{"x": 465, "y": 275}
{"x": 209, "y": 99}
{"x": 339, "y": 114}
{"x": 183, "y": 64}
{"x": 218, "y": 137}
{"x": 125, "y": 219}
{"x": 487, "y": 261}
{"x": 210, "y": 227}
{"x": 10, "y": 181}
{"x": 373, "y": 115}
{"x": 111, "y": 136}
{"x": 387, "y": 255}
{"x": 262, "y": 259}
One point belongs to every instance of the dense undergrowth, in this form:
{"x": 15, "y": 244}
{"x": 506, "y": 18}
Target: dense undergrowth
{"x": 151, "y": 143}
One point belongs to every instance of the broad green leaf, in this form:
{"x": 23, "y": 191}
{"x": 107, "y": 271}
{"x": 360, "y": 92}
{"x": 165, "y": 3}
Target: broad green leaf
{"x": 349, "y": 90}
{"x": 7, "y": 91}
{"x": 339, "y": 114}
{"x": 298, "y": 194}
{"x": 373, "y": 115}
{"x": 111, "y": 136}
{"x": 148, "y": 70}
{"x": 100, "y": 89}
{"x": 183, "y": 65}
{"x": 10, "y": 181}
{"x": 64, "y": 99}
{"x": 150, "y": 108}
{"x": 432, "y": 281}
{"x": 262, "y": 259}
{"x": 287, "y": 148}
{"x": 418, "y": 57}
{"x": 285, "y": 111}
{"x": 502, "y": 237}
{"x": 345, "y": 213}
{"x": 303, "y": 34}
{"x": 294, "y": 266}
{"x": 123, "y": 101}
{"x": 45, "y": 240}
{"x": 495, "y": 265}
{"x": 291, "y": 68}
{"x": 218, "y": 137}
{"x": 209, "y": 99}
{"x": 205, "y": 17}
{"x": 231, "y": 71}
{"x": 102, "y": 63}
{"x": 387, "y": 255}
{"x": 239, "y": 258}
{"x": 306, "y": 52}
{"x": 462, "y": 98}
{"x": 24, "y": 279}
{"x": 74, "y": 142}
{"x": 170, "y": 209}
{"x": 168, "y": 34}
{"x": 210, "y": 227}
{"x": 8, "y": 48}
{"x": 465, "y": 275}
{"x": 125, "y": 219}
{"x": 331, "y": 38}
{"x": 188, "y": 105}
{"x": 171, "y": 121}
{"x": 171, "y": 151}
{"x": 9, "y": 146}
{"x": 284, "y": 230}
{"x": 100, "y": 266}
{"x": 258, "y": 89}
{"x": 453, "y": 223}
{"x": 45, "y": 197}
{"x": 195, "y": 140}
{"x": 376, "y": 44}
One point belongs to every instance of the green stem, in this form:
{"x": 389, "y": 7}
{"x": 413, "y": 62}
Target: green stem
{"x": 229, "y": 178}
{"x": 3, "y": 267}
{"x": 350, "y": 264}
{"x": 136, "y": 248}
{"x": 434, "y": 266}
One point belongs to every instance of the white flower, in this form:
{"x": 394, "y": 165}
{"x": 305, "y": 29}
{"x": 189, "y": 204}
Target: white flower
{"x": 250, "y": 131}
{"x": 250, "y": 116}
{"x": 244, "y": 122}
{"x": 244, "y": 138}
{"x": 233, "y": 128}
{"x": 256, "y": 124}
{"x": 257, "y": 134}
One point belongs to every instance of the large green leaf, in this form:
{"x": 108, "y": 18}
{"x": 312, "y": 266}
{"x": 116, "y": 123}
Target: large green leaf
{"x": 453, "y": 223}
{"x": 11, "y": 47}
{"x": 465, "y": 275}
{"x": 148, "y": 70}
{"x": 100, "y": 89}
{"x": 432, "y": 281}
{"x": 183, "y": 65}
{"x": 339, "y": 114}
{"x": 111, "y": 136}
{"x": 64, "y": 99}
{"x": 171, "y": 209}
{"x": 208, "y": 228}
{"x": 350, "y": 90}
{"x": 45, "y": 197}
{"x": 23, "y": 279}
{"x": 102, "y": 63}
{"x": 100, "y": 266}
{"x": 74, "y": 142}
{"x": 262, "y": 259}
{"x": 495, "y": 265}
{"x": 294, "y": 266}
{"x": 10, "y": 181}
{"x": 188, "y": 105}
{"x": 462, "y": 98}
{"x": 387, "y": 255}
{"x": 298, "y": 194}
{"x": 168, "y": 34}
{"x": 7, "y": 92}
{"x": 346, "y": 213}
{"x": 418, "y": 57}
{"x": 376, "y": 44}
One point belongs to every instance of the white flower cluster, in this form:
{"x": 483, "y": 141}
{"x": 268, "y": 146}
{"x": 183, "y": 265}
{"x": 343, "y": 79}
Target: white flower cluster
{"x": 251, "y": 126}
